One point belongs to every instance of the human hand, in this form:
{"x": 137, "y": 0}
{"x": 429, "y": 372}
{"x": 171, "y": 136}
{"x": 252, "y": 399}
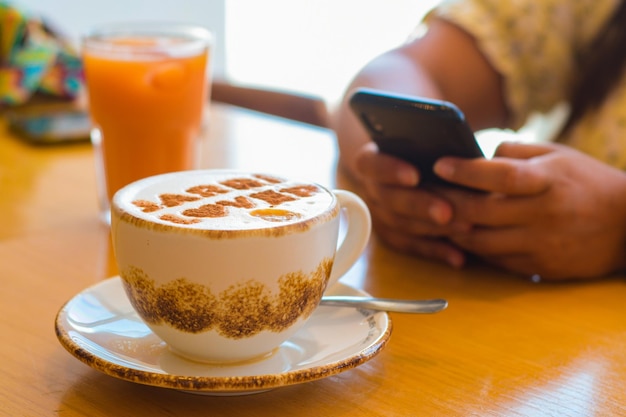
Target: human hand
{"x": 550, "y": 210}
{"x": 409, "y": 219}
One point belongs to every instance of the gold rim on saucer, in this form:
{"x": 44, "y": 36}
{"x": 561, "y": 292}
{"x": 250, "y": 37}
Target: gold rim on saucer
{"x": 99, "y": 327}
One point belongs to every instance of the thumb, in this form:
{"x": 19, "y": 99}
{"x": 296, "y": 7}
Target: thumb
{"x": 519, "y": 150}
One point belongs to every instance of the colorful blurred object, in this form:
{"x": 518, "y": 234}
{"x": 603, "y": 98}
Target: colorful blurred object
{"x": 34, "y": 60}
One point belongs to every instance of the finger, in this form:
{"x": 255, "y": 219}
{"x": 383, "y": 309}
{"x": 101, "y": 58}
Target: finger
{"x": 410, "y": 226}
{"x": 498, "y": 175}
{"x": 494, "y": 210}
{"x": 432, "y": 248}
{"x": 524, "y": 150}
{"x": 385, "y": 169}
{"x": 493, "y": 242}
{"x": 416, "y": 203}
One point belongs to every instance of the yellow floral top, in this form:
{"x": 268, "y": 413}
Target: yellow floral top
{"x": 534, "y": 45}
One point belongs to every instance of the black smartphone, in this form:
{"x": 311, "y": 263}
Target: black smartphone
{"x": 416, "y": 129}
{"x": 50, "y": 126}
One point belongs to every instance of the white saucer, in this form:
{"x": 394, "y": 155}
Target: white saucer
{"x": 99, "y": 327}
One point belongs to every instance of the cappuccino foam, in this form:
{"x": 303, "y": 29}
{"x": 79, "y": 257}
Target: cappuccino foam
{"x": 222, "y": 200}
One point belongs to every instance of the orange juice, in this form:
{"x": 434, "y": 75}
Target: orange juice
{"x": 146, "y": 97}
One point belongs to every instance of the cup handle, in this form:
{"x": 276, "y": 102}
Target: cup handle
{"x": 359, "y": 226}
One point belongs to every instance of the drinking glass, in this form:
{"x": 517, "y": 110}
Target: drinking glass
{"x": 147, "y": 88}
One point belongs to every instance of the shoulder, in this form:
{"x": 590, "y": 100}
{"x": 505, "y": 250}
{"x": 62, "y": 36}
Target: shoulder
{"x": 576, "y": 21}
{"x": 534, "y": 45}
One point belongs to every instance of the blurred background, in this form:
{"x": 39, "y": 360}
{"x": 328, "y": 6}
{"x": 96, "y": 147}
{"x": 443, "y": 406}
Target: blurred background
{"x": 308, "y": 46}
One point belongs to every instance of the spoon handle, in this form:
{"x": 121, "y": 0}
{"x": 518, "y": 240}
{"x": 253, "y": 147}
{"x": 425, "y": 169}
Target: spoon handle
{"x": 386, "y": 304}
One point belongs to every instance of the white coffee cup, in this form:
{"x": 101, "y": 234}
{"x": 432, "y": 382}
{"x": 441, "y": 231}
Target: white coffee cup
{"x": 225, "y": 266}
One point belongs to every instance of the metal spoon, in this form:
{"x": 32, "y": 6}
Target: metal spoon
{"x": 386, "y": 304}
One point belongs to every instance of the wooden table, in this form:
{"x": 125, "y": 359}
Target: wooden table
{"x": 504, "y": 347}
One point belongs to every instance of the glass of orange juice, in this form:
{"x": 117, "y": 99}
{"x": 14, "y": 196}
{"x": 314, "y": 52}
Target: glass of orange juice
{"x": 147, "y": 88}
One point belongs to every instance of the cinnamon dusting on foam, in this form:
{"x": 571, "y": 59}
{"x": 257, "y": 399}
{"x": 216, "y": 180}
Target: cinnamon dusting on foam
{"x": 147, "y": 206}
{"x": 178, "y": 220}
{"x": 207, "y": 190}
{"x": 240, "y": 201}
{"x": 242, "y": 183}
{"x": 305, "y": 190}
{"x": 272, "y": 197}
{"x": 208, "y": 210}
{"x": 173, "y": 200}
{"x": 257, "y": 195}
{"x": 267, "y": 178}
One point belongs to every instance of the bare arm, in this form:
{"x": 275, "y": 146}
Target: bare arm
{"x": 547, "y": 210}
{"x": 447, "y": 64}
